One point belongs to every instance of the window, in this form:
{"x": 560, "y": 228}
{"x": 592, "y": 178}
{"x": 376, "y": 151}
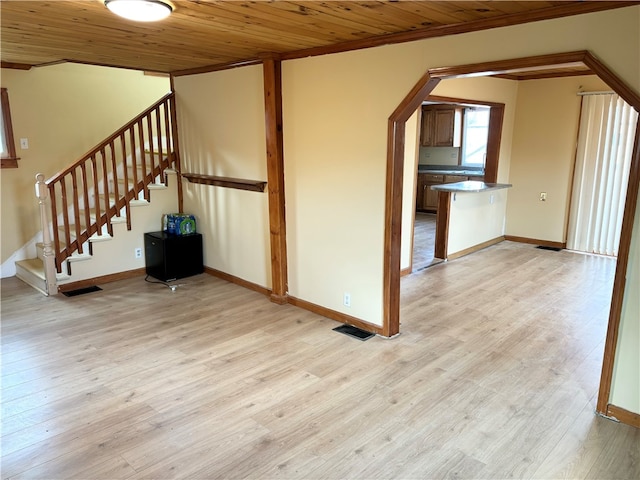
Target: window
{"x": 7, "y": 145}
{"x": 475, "y": 136}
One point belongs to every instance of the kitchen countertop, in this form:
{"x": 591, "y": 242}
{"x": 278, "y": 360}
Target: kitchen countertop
{"x": 440, "y": 171}
{"x": 469, "y": 186}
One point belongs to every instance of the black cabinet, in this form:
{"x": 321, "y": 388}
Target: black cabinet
{"x": 169, "y": 257}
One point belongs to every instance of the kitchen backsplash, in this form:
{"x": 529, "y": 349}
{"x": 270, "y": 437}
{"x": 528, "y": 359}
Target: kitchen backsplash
{"x": 439, "y": 155}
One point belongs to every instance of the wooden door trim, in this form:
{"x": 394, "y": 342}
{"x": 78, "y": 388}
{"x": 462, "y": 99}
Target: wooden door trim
{"x": 496, "y": 119}
{"x": 393, "y": 201}
{"x": 620, "y": 278}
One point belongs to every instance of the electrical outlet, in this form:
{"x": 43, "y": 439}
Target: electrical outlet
{"x": 138, "y": 252}
{"x": 347, "y": 299}
{"x": 543, "y": 196}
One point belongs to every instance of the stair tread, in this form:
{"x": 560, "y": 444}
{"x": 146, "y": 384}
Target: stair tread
{"x": 33, "y": 265}
{"x": 134, "y": 203}
{"x": 79, "y": 257}
{"x": 100, "y": 238}
{"x": 151, "y": 186}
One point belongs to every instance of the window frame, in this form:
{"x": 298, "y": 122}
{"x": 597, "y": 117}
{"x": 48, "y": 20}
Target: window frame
{"x": 10, "y": 160}
{"x": 465, "y": 136}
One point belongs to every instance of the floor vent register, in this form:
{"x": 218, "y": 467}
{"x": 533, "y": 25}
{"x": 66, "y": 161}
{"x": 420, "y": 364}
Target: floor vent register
{"x": 354, "y": 332}
{"x": 553, "y": 249}
{"x": 81, "y": 291}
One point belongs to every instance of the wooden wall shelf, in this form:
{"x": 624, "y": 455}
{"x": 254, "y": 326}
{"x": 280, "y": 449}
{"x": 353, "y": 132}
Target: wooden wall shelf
{"x": 228, "y": 182}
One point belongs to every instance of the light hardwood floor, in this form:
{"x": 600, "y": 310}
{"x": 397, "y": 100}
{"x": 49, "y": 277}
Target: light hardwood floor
{"x": 424, "y": 241}
{"x": 495, "y": 375}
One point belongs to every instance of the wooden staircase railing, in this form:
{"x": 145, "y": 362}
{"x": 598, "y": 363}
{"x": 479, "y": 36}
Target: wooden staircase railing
{"x": 86, "y": 196}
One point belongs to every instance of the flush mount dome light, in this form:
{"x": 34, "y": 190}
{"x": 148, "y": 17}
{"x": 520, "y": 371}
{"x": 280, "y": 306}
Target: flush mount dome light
{"x": 140, "y": 10}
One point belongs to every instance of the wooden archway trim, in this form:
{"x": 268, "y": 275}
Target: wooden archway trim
{"x": 395, "y": 163}
{"x": 631, "y": 201}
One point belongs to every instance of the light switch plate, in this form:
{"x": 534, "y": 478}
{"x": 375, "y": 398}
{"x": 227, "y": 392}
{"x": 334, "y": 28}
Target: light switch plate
{"x": 24, "y": 143}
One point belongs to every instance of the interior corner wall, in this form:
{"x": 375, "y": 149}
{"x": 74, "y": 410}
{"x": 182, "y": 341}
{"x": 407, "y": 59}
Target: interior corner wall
{"x": 64, "y": 111}
{"x": 543, "y": 155}
{"x": 222, "y": 133}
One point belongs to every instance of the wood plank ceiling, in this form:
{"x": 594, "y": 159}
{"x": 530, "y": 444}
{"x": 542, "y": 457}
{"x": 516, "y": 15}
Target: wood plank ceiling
{"x": 208, "y": 35}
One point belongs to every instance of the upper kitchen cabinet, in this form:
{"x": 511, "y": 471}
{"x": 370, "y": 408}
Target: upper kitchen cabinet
{"x": 441, "y": 126}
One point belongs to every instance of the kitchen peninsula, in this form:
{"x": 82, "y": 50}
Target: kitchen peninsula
{"x": 471, "y": 216}
{"x": 469, "y": 186}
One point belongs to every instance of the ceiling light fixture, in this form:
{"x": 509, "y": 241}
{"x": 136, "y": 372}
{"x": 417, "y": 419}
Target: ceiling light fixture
{"x": 140, "y": 10}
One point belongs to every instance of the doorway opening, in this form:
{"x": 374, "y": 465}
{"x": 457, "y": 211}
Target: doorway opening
{"x": 459, "y": 141}
{"x": 395, "y": 170}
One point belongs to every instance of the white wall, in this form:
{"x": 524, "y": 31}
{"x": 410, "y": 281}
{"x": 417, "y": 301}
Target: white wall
{"x": 543, "y": 155}
{"x": 411, "y": 149}
{"x": 475, "y": 218}
{"x": 336, "y": 109}
{"x": 222, "y": 132}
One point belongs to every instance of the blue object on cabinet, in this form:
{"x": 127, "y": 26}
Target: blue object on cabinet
{"x": 179, "y": 223}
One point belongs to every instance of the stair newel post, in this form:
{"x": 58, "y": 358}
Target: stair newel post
{"x": 49, "y": 260}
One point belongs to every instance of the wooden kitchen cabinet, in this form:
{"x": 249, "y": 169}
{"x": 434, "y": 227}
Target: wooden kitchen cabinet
{"x": 427, "y": 199}
{"x": 444, "y": 128}
{"x": 431, "y": 198}
{"x": 441, "y": 126}
{"x": 420, "y": 191}
{"x": 455, "y": 178}
{"x": 428, "y": 125}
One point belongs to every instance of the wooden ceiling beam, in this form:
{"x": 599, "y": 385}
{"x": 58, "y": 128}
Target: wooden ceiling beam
{"x": 15, "y": 66}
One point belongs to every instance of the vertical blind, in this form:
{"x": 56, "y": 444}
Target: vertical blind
{"x": 603, "y": 160}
